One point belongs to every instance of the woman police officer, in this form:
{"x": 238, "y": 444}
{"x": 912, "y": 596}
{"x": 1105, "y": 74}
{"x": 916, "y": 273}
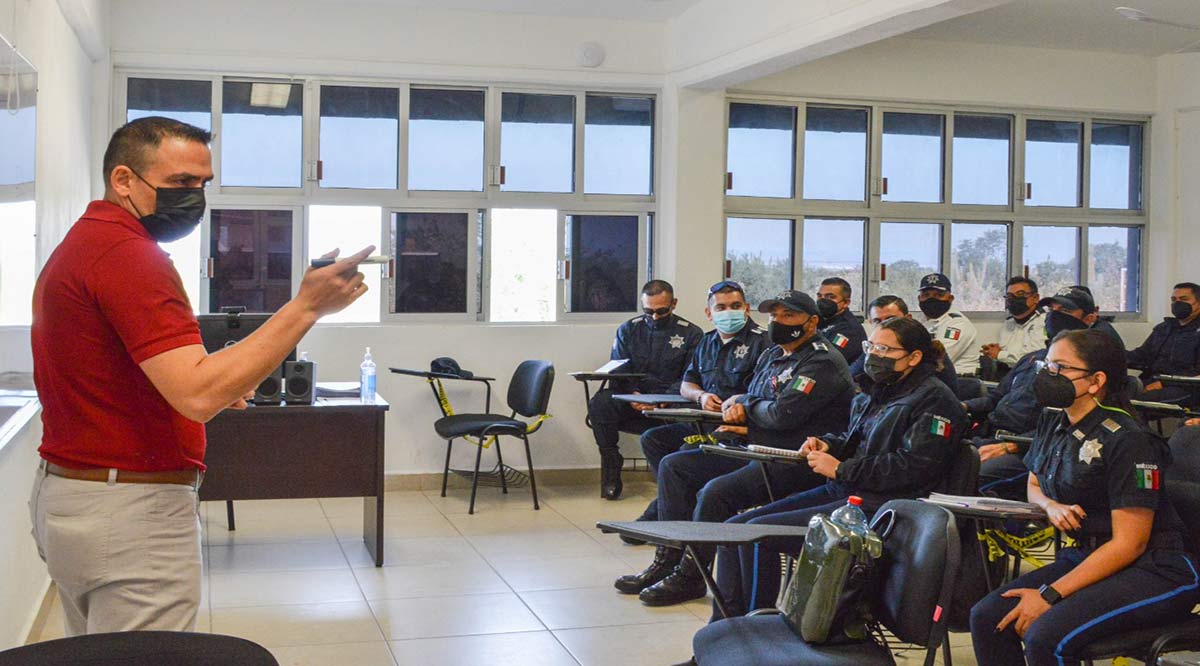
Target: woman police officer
{"x": 1100, "y": 476}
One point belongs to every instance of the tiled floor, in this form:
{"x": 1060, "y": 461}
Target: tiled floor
{"x": 507, "y": 586}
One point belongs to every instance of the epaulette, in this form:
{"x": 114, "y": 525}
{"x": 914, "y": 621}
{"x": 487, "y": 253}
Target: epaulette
{"x": 1111, "y": 425}
{"x": 955, "y": 315}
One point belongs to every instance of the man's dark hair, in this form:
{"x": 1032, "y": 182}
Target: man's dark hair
{"x": 133, "y": 142}
{"x": 886, "y": 300}
{"x": 840, "y": 284}
{"x": 1084, "y": 288}
{"x": 1192, "y": 286}
{"x": 1021, "y": 279}
{"x": 727, "y": 289}
{"x": 656, "y": 287}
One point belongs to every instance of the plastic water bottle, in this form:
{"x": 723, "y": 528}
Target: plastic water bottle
{"x": 366, "y": 378}
{"x": 851, "y": 516}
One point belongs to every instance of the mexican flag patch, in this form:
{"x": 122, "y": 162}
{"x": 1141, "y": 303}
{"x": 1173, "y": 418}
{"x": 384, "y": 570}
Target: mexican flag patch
{"x": 804, "y": 384}
{"x": 1148, "y": 477}
{"x": 841, "y": 341}
{"x": 952, "y": 334}
{"x": 940, "y": 427}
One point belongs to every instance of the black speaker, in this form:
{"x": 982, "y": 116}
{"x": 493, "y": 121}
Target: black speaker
{"x": 299, "y": 382}
{"x": 270, "y": 391}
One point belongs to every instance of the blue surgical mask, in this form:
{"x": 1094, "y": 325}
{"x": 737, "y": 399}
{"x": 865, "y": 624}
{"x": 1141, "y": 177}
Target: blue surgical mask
{"x": 729, "y": 322}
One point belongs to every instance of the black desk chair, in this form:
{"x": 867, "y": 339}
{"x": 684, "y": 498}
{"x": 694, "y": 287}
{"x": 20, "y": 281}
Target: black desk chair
{"x": 920, "y": 562}
{"x": 529, "y": 396}
{"x": 141, "y": 648}
{"x": 1185, "y": 454}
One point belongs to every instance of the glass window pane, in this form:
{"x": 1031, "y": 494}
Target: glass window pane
{"x": 430, "y": 250}
{"x": 186, "y": 101}
{"x": 185, "y": 254}
{"x": 360, "y": 134}
{"x": 762, "y": 149}
{"x": 537, "y": 142}
{"x": 835, "y": 154}
{"x": 981, "y": 160}
{"x": 349, "y": 229}
{"x": 1116, "y": 169}
{"x": 1114, "y": 267}
{"x": 618, "y": 145}
{"x": 18, "y": 128}
{"x": 834, "y": 248}
{"x": 1052, "y": 157}
{"x": 979, "y": 265}
{"x": 252, "y": 259}
{"x": 909, "y": 252}
{"x": 261, "y": 134}
{"x": 912, "y": 156}
{"x": 524, "y": 261}
{"x": 445, "y": 140}
{"x": 17, "y": 271}
{"x": 604, "y": 262}
{"x": 759, "y": 252}
{"x": 1051, "y": 254}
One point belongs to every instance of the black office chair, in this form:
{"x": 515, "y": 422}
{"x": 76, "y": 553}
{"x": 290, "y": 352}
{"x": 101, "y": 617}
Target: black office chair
{"x": 529, "y": 396}
{"x": 920, "y": 562}
{"x": 141, "y": 648}
{"x": 1185, "y": 454}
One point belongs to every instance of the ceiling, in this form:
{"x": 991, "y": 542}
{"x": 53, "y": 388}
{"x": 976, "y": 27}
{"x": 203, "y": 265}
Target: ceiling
{"x": 638, "y": 10}
{"x": 1084, "y": 25}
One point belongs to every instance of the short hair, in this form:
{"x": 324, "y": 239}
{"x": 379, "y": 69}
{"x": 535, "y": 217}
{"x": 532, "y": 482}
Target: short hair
{"x": 1195, "y": 288}
{"x": 656, "y": 287}
{"x": 133, "y": 142}
{"x": 886, "y": 300}
{"x": 1021, "y": 279}
{"x": 727, "y": 289}
{"x": 1081, "y": 287}
{"x": 840, "y": 284}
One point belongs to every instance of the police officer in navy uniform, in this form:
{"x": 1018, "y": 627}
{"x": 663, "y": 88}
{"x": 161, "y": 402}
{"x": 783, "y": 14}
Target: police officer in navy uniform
{"x": 1173, "y": 347}
{"x": 947, "y": 324}
{"x": 1101, "y": 477}
{"x": 880, "y": 310}
{"x": 838, "y": 324}
{"x": 1012, "y": 406}
{"x": 658, "y": 343}
{"x": 1093, "y": 319}
{"x": 722, "y": 368}
{"x": 801, "y": 387}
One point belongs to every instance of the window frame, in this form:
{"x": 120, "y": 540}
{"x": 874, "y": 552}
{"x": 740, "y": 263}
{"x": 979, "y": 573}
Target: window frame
{"x": 564, "y": 286}
{"x": 401, "y": 142}
{"x": 474, "y": 261}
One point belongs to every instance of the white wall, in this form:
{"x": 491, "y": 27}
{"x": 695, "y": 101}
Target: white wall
{"x": 23, "y": 577}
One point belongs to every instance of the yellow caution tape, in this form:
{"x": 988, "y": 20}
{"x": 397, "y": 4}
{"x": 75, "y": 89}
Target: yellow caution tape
{"x": 444, "y": 401}
{"x": 1020, "y": 546}
{"x": 699, "y": 439}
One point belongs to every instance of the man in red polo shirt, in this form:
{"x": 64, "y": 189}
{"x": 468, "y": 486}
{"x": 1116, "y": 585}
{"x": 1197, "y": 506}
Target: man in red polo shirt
{"x": 126, "y": 386}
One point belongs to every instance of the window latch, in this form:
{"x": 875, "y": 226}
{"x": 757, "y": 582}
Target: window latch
{"x": 496, "y": 174}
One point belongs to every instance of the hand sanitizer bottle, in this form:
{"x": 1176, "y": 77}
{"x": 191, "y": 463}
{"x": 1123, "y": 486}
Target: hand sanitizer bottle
{"x": 366, "y": 378}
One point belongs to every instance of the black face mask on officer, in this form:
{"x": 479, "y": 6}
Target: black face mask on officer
{"x": 826, "y": 308}
{"x": 1054, "y": 390}
{"x": 1057, "y": 322}
{"x": 934, "y": 308}
{"x": 881, "y": 369}
{"x": 783, "y": 334}
{"x": 177, "y": 211}
{"x": 1181, "y": 310}
{"x": 1016, "y": 306}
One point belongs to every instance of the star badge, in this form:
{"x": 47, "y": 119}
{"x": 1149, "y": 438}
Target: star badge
{"x": 676, "y": 341}
{"x": 785, "y": 376}
{"x": 741, "y": 352}
{"x": 1090, "y": 451}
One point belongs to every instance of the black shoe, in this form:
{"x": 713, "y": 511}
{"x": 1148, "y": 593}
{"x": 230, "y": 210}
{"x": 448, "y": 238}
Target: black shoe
{"x": 645, "y": 517}
{"x": 665, "y": 561}
{"x": 689, "y": 662}
{"x": 610, "y": 476}
{"x": 684, "y": 584}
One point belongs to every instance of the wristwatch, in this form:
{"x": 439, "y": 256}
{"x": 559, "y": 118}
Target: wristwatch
{"x": 1049, "y": 594}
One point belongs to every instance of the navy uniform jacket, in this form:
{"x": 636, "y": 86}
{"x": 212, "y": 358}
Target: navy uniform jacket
{"x": 901, "y": 439}
{"x": 846, "y": 334}
{"x": 663, "y": 354}
{"x": 797, "y": 396}
{"x": 725, "y": 368}
{"x": 1171, "y": 349}
{"x": 1105, "y": 326}
{"x": 1106, "y": 461}
{"x": 1011, "y": 405}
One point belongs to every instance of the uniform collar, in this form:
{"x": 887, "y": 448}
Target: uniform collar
{"x": 1033, "y": 317}
{"x": 106, "y": 211}
{"x": 743, "y": 335}
{"x": 1086, "y": 425}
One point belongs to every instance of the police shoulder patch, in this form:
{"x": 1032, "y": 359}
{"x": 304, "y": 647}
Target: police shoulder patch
{"x": 820, "y": 346}
{"x": 955, "y": 315}
{"x": 1111, "y": 425}
{"x": 952, "y": 333}
{"x": 758, "y": 331}
{"x": 804, "y": 384}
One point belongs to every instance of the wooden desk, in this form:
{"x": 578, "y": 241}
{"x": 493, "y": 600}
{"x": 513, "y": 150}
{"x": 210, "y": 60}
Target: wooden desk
{"x": 332, "y": 448}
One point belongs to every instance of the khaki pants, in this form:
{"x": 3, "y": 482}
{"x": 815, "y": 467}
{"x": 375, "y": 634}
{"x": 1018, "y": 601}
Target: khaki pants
{"x": 124, "y": 556}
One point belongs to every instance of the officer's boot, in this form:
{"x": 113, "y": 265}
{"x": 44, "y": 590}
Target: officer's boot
{"x": 665, "y": 561}
{"x": 684, "y": 584}
{"x": 610, "y": 474}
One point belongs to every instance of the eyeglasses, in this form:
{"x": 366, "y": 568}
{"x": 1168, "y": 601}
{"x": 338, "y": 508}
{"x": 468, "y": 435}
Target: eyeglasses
{"x": 1055, "y": 368}
{"x": 879, "y": 349}
{"x": 725, "y": 284}
{"x": 1019, "y": 294}
{"x": 661, "y": 312}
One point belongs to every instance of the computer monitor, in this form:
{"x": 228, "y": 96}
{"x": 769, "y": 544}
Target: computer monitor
{"x": 222, "y": 330}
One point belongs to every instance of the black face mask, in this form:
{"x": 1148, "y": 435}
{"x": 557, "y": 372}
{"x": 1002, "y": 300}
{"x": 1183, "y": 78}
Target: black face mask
{"x": 1057, "y": 322}
{"x": 177, "y": 212}
{"x": 881, "y": 370}
{"x": 934, "y": 308}
{"x": 1181, "y": 310}
{"x": 826, "y": 308}
{"x": 1015, "y": 306}
{"x": 782, "y": 334}
{"x": 1053, "y": 390}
